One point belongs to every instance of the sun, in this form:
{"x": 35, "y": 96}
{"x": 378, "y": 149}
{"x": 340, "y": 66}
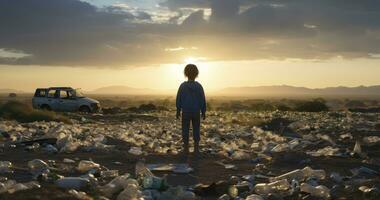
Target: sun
{"x": 190, "y": 60}
{"x": 194, "y": 60}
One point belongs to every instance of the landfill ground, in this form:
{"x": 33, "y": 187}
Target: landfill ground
{"x": 283, "y": 142}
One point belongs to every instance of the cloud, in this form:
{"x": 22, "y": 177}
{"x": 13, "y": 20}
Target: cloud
{"x": 177, "y": 4}
{"x": 76, "y": 33}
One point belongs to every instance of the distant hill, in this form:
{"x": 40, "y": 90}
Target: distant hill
{"x": 276, "y": 90}
{"x": 119, "y": 89}
{"x": 285, "y": 90}
{"x": 7, "y": 91}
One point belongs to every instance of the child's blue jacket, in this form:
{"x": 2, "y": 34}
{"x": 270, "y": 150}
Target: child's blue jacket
{"x": 191, "y": 97}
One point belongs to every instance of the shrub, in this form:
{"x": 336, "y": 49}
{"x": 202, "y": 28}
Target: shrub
{"x": 311, "y": 106}
{"x": 14, "y": 110}
{"x": 262, "y": 107}
{"x": 283, "y": 107}
{"x": 355, "y": 104}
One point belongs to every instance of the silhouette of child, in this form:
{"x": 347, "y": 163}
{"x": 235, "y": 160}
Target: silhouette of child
{"x": 192, "y": 102}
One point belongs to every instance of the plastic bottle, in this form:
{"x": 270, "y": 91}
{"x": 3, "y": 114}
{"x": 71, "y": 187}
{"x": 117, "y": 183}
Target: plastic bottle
{"x": 224, "y": 197}
{"x": 318, "y": 191}
{"x": 115, "y": 186}
{"x": 50, "y": 149}
{"x": 301, "y": 174}
{"x": 5, "y": 167}
{"x": 109, "y": 173}
{"x": 72, "y": 182}
{"x": 153, "y": 182}
{"x": 17, "y": 187}
{"x": 235, "y": 190}
{"x": 358, "y": 150}
{"x": 131, "y": 192}
{"x": 274, "y": 187}
{"x": 86, "y": 165}
{"x": 295, "y": 174}
{"x": 317, "y": 173}
{"x": 141, "y": 170}
{"x": 38, "y": 166}
{"x": 6, "y": 185}
{"x": 23, "y": 186}
{"x": 254, "y": 197}
{"x": 80, "y": 195}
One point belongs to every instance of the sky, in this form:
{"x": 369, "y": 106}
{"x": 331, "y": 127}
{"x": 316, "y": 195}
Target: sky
{"x": 146, "y": 43}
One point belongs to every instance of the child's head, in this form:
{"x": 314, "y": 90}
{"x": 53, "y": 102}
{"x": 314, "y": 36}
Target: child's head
{"x": 191, "y": 71}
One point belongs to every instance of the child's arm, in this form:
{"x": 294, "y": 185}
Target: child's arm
{"x": 203, "y": 103}
{"x": 179, "y": 102}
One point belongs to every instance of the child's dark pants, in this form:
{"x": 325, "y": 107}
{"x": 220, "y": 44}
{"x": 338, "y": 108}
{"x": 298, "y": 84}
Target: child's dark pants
{"x": 195, "y": 119}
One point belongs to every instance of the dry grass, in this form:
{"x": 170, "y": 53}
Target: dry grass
{"x": 14, "y": 110}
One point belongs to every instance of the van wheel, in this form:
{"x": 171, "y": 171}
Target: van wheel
{"x": 45, "y": 107}
{"x": 84, "y": 109}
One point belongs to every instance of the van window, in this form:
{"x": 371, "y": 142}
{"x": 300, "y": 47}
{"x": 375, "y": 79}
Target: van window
{"x": 53, "y": 94}
{"x": 40, "y": 93}
{"x": 63, "y": 94}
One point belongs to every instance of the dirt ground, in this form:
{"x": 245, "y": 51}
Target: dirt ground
{"x": 206, "y": 171}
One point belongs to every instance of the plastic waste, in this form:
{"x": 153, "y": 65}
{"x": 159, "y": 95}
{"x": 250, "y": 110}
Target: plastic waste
{"x": 80, "y": 195}
{"x": 86, "y": 165}
{"x": 109, "y": 173}
{"x": 280, "y": 148}
{"x": 43, "y": 141}
{"x": 318, "y": 191}
{"x": 32, "y": 147}
{"x": 301, "y": 174}
{"x": 370, "y": 193}
{"x": 137, "y": 151}
{"x": 177, "y": 193}
{"x": 4, "y": 187}
{"x": 224, "y": 197}
{"x": 67, "y": 160}
{"x": 274, "y": 187}
{"x": 50, "y": 149}
{"x": 316, "y": 173}
{"x": 153, "y": 182}
{"x": 38, "y": 167}
{"x": 142, "y": 170}
{"x": 254, "y": 197}
{"x": 5, "y": 167}
{"x": 336, "y": 177}
{"x": 129, "y": 193}
{"x": 240, "y": 155}
{"x": 91, "y": 178}
{"x": 371, "y": 140}
{"x": 358, "y": 150}
{"x": 226, "y": 166}
{"x": 235, "y": 190}
{"x": 176, "y": 168}
{"x": 364, "y": 172}
{"x": 115, "y": 185}
{"x": 23, "y": 186}
{"x": 11, "y": 186}
{"x": 327, "y": 151}
{"x": 72, "y": 182}
{"x": 70, "y": 147}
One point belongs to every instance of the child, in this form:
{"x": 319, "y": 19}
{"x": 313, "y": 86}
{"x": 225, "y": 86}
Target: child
{"x": 192, "y": 102}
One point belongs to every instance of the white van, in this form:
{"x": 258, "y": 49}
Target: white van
{"x": 65, "y": 99}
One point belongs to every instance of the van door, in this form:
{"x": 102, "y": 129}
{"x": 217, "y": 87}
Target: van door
{"x": 66, "y": 101}
{"x": 53, "y": 99}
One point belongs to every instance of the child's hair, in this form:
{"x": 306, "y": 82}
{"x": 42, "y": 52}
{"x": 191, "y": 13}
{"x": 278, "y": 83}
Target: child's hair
{"x": 191, "y": 71}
